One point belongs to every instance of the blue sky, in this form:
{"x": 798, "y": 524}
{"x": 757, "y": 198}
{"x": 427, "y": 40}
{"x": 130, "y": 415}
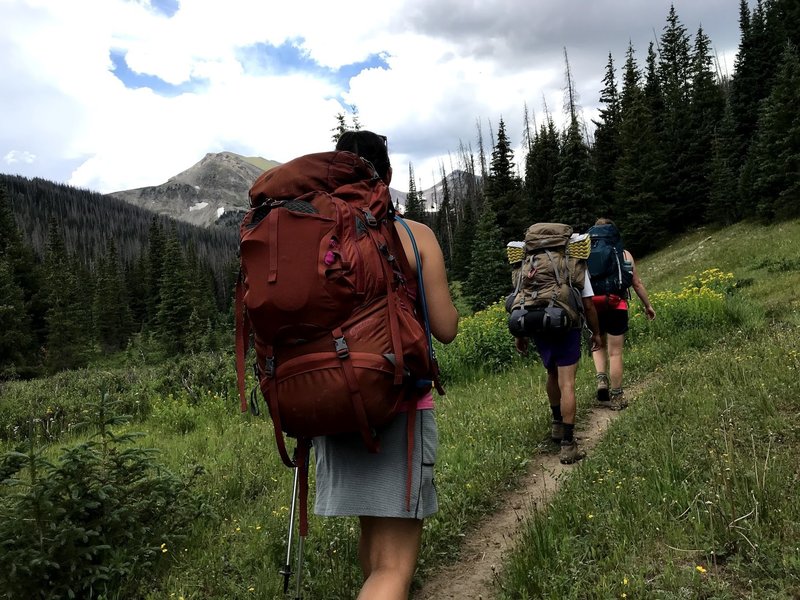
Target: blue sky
{"x": 118, "y": 94}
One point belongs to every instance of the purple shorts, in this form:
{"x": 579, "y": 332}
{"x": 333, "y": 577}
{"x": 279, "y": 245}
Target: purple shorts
{"x": 561, "y": 350}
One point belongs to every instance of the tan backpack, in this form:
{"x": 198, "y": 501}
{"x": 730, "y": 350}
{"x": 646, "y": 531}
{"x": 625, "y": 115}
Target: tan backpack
{"x": 549, "y": 283}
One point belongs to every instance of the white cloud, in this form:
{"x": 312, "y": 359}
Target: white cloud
{"x": 19, "y": 156}
{"x": 450, "y": 65}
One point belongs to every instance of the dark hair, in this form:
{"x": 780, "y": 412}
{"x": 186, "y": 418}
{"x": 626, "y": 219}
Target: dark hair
{"x": 370, "y": 146}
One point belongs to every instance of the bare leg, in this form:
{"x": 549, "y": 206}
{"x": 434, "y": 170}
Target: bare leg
{"x": 615, "y": 344}
{"x": 553, "y": 390}
{"x": 565, "y": 378}
{"x": 599, "y": 358}
{"x": 388, "y": 549}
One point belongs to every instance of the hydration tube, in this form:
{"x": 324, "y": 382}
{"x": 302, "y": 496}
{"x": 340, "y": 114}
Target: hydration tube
{"x": 420, "y": 285}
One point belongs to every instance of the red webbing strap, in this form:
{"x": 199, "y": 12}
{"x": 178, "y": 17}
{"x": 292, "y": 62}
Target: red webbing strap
{"x": 412, "y": 419}
{"x": 242, "y": 340}
{"x": 356, "y": 398}
{"x": 273, "y": 246}
{"x": 397, "y": 336}
{"x": 303, "y": 446}
{"x": 275, "y": 415}
{"x": 393, "y": 321}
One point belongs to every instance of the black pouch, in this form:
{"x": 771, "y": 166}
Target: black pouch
{"x": 550, "y": 319}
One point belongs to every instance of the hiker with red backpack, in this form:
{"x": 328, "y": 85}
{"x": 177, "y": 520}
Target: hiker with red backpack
{"x": 551, "y": 303}
{"x": 352, "y": 481}
{"x": 612, "y": 271}
{"x": 342, "y": 297}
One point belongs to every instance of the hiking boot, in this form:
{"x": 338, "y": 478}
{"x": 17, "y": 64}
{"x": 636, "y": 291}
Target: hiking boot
{"x": 557, "y": 431}
{"x": 617, "y": 401}
{"x": 570, "y": 452}
{"x": 602, "y": 387}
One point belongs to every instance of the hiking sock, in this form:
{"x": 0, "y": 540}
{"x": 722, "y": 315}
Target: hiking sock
{"x": 568, "y": 432}
{"x": 556, "y": 410}
{"x": 602, "y": 386}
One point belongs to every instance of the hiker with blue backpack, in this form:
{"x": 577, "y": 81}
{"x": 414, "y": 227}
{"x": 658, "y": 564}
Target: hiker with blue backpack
{"x": 612, "y": 271}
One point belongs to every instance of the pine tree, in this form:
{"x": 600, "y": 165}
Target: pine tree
{"x": 155, "y": 268}
{"x": 707, "y": 104}
{"x": 175, "y": 307}
{"x": 488, "y": 279}
{"x": 462, "y": 246}
{"x": 339, "y": 128}
{"x": 752, "y": 73}
{"x": 541, "y": 168}
{"x": 444, "y": 223}
{"x": 775, "y": 153}
{"x": 414, "y": 209}
{"x": 15, "y": 334}
{"x": 112, "y": 316}
{"x": 637, "y": 210}
{"x": 504, "y": 188}
{"x": 723, "y": 206}
{"x": 674, "y": 68}
{"x": 606, "y": 150}
{"x": 136, "y": 284}
{"x": 24, "y": 269}
{"x": 573, "y": 198}
{"x": 68, "y": 318}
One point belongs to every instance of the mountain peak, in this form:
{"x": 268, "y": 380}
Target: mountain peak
{"x": 216, "y": 185}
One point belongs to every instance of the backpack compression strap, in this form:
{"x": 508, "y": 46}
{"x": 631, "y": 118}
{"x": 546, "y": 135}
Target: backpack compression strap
{"x": 242, "y": 339}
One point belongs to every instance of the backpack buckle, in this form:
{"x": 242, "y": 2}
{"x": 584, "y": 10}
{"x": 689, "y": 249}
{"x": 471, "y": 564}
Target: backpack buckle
{"x": 385, "y": 251}
{"x": 340, "y": 346}
{"x": 371, "y": 220}
{"x": 269, "y": 366}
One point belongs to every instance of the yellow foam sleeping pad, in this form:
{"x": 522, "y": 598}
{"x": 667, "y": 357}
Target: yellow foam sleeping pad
{"x": 515, "y": 252}
{"x": 579, "y": 246}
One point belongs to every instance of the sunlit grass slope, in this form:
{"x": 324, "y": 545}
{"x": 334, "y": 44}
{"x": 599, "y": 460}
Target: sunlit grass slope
{"x": 692, "y": 494}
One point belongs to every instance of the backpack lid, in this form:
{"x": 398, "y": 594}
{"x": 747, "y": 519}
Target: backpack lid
{"x": 607, "y": 232}
{"x": 322, "y": 171}
{"x": 547, "y": 235}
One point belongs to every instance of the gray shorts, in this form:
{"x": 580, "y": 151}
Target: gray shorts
{"x": 351, "y": 481}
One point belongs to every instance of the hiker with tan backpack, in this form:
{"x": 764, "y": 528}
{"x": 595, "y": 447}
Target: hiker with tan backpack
{"x": 551, "y": 302}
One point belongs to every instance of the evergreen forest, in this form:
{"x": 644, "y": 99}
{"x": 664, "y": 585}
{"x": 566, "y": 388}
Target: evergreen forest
{"x": 678, "y": 144}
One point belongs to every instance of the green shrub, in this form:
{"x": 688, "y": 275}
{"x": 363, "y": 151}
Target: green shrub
{"x": 51, "y": 406}
{"x": 93, "y": 523}
{"x": 483, "y": 345}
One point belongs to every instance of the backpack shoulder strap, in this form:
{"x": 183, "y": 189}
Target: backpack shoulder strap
{"x": 420, "y": 284}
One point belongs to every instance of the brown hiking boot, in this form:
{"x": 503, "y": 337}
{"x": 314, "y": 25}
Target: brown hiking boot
{"x": 617, "y": 401}
{"x": 602, "y": 388}
{"x": 557, "y": 431}
{"x": 570, "y": 452}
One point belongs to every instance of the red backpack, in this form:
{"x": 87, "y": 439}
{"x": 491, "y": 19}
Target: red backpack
{"x": 331, "y": 301}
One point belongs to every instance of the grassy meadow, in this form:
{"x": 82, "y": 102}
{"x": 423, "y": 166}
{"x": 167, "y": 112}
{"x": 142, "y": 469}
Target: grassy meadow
{"x": 691, "y": 494}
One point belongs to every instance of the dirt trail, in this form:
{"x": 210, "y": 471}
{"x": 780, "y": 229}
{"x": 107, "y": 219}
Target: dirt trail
{"x": 484, "y": 548}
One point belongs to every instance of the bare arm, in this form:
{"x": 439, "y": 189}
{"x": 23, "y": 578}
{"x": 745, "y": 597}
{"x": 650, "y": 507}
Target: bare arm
{"x": 442, "y": 314}
{"x": 640, "y": 290}
{"x": 591, "y": 320}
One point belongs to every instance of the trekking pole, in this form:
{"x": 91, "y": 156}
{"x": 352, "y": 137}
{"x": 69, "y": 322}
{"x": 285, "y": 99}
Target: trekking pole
{"x": 286, "y": 571}
{"x": 301, "y": 538}
{"x": 298, "y": 580}
{"x": 300, "y": 542}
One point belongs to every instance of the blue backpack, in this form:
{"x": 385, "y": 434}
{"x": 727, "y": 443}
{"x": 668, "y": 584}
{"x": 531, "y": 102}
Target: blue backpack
{"x": 609, "y": 272}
